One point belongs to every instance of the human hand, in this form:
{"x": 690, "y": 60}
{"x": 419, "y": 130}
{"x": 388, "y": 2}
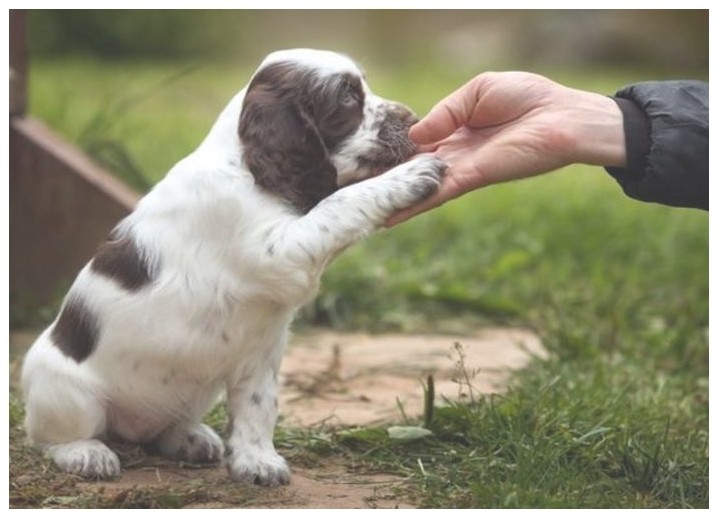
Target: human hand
{"x": 502, "y": 126}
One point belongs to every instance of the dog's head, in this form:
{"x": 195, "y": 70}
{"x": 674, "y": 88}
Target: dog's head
{"x": 310, "y": 124}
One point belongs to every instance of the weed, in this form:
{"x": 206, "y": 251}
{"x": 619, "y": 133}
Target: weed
{"x": 463, "y": 377}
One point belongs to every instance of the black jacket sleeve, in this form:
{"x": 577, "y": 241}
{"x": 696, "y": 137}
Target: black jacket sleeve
{"x": 666, "y": 128}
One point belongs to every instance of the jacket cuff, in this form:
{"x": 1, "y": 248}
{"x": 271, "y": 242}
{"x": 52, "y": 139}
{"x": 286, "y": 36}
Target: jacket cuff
{"x": 637, "y": 132}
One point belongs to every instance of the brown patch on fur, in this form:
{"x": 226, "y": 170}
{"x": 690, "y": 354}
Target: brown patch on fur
{"x": 76, "y": 331}
{"x": 120, "y": 259}
{"x": 291, "y": 120}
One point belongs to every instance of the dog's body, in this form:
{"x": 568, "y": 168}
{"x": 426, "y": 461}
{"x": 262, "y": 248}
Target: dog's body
{"x": 193, "y": 294}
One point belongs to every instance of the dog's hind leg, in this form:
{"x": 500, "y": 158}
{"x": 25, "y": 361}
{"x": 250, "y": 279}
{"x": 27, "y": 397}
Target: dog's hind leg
{"x": 68, "y": 432}
{"x": 65, "y": 417}
{"x": 89, "y": 458}
{"x": 195, "y": 443}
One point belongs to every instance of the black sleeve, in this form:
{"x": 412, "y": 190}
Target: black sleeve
{"x": 666, "y": 128}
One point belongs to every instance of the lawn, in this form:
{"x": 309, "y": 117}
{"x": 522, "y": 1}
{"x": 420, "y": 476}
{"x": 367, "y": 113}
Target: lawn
{"x": 617, "y": 289}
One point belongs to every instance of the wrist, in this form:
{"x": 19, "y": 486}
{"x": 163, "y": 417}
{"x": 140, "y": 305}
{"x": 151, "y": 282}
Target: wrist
{"x": 598, "y": 130}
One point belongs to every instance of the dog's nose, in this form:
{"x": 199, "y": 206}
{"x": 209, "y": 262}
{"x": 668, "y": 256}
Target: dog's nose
{"x": 403, "y": 115}
{"x": 397, "y": 120}
{"x": 394, "y": 131}
{"x": 412, "y": 118}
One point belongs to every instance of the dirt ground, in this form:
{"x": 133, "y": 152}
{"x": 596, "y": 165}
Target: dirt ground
{"x": 328, "y": 488}
{"x": 340, "y": 380}
{"x": 357, "y": 379}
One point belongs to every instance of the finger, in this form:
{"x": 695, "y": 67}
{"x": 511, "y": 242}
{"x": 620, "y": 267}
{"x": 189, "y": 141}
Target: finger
{"x": 426, "y": 148}
{"x": 446, "y": 116}
{"x": 440, "y": 122}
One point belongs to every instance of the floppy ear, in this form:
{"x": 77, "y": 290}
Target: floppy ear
{"x": 282, "y": 147}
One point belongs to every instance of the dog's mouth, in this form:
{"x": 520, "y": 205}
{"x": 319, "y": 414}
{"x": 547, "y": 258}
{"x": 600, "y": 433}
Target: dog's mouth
{"x": 387, "y": 155}
{"x": 393, "y": 145}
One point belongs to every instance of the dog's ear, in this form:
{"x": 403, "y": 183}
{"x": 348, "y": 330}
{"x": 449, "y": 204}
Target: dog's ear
{"x": 281, "y": 144}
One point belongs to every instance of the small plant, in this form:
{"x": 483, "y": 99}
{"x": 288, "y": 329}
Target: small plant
{"x": 464, "y": 377}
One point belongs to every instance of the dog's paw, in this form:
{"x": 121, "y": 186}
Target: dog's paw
{"x": 195, "y": 444}
{"x": 88, "y": 458}
{"x": 421, "y": 177}
{"x": 266, "y": 469}
{"x": 429, "y": 171}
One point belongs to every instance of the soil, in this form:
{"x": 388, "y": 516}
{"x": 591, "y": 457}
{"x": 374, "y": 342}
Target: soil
{"x": 360, "y": 379}
{"x": 328, "y": 488}
{"x": 339, "y": 380}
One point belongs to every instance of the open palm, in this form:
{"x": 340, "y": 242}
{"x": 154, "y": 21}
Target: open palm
{"x": 509, "y": 125}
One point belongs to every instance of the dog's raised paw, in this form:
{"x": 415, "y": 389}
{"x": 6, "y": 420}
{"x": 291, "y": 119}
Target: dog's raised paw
{"x": 429, "y": 171}
{"x": 416, "y": 180}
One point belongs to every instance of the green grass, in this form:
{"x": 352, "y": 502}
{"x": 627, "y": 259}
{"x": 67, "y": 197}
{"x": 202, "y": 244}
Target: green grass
{"x": 559, "y": 443}
{"x": 618, "y": 290}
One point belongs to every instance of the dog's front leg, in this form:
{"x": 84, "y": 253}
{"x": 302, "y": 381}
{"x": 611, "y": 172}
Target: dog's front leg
{"x": 357, "y": 210}
{"x": 252, "y": 407}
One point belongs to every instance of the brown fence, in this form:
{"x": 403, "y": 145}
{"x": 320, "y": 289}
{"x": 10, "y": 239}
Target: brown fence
{"x": 62, "y": 204}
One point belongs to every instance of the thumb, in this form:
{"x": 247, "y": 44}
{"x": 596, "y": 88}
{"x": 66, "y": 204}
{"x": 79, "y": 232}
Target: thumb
{"x": 445, "y": 117}
{"x": 436, "y": 126}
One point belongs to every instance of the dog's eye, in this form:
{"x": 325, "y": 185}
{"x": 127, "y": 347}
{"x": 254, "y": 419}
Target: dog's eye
{"x": 350, "y": 93}
{"x": 349, "y": 99}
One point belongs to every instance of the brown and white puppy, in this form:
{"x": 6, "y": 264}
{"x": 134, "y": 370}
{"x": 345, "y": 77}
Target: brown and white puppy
{"x": 192, "y": 296}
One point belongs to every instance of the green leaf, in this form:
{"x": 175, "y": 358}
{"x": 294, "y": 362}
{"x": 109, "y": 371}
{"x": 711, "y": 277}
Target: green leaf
{"x": 361, "y": 435}
{"x": 407, "y": 433}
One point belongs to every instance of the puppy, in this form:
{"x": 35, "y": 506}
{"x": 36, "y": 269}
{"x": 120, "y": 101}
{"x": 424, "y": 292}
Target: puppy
{"x": 192, "y": 295}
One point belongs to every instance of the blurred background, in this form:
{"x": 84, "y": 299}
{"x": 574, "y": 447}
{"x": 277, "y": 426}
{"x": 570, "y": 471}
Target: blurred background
{"x": 101, "y": 76}
{"x": 461, "y": 40}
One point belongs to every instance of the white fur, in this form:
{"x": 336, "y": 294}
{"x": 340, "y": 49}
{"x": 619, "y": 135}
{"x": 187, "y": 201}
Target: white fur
{"x": 232, "y": 264}
{"x": 322, "y": 61}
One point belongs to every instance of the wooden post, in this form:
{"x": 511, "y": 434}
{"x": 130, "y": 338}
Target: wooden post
{"x": 18, "y": 62}
{"x": 62, "y": 204}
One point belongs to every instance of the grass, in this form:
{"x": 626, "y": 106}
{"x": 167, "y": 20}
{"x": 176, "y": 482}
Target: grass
{"x": 618, "y": 290}
{"x": 558, "y": 443}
